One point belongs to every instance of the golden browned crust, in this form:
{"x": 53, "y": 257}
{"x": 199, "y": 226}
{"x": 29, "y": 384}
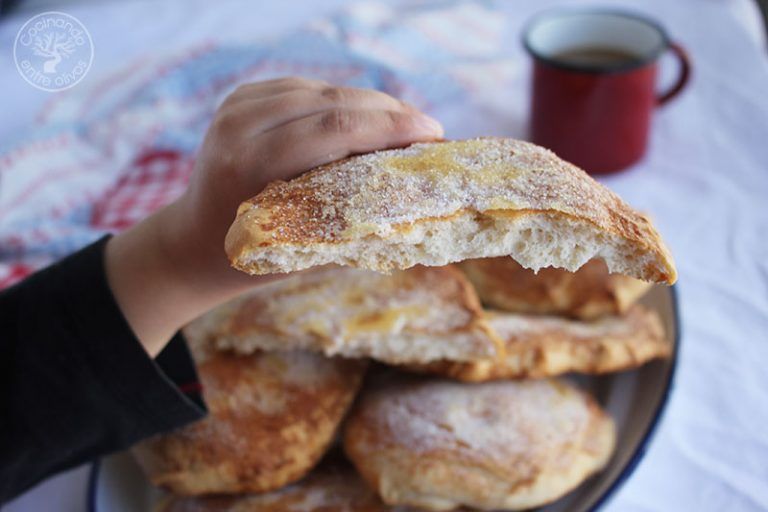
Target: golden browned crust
{"x": 503, "y": 445}
{"x": 271, "y": 418}
{"x": 417, "y": 315}
{"x": 385, "y": 197}
{"x": 541, "y": 346}
{"x": 326, "y": 489}
{"x": 588, "y": 293}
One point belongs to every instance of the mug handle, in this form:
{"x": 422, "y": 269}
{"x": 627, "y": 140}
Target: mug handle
{"x": 682, "y": 78}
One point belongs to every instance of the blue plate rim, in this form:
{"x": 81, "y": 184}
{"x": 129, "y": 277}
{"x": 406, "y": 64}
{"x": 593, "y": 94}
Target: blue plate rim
{"x": 650, "y": 432}
{"x": 626, "y": 472}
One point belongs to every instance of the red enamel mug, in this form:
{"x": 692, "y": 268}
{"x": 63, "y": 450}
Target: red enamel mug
{"x": 594, "y": 84}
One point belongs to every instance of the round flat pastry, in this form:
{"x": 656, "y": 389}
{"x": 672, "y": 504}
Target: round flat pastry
{"x": 272, "y": 417}
{"x": 545, "y": 346}
{"x": 334, "y": 489}
{"x": 589, "y": 293}
{"x": 414, "y": 316}
{"x": 439, "y": 202}
{"x": 511, "y": 445}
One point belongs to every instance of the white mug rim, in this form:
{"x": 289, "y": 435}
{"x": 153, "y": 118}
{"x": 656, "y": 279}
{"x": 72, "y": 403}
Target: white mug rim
{"x": 640, "y": 62}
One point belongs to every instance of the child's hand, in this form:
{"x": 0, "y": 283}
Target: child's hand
{"x": 277, "y": 129}
{"x": 170, "y": 268}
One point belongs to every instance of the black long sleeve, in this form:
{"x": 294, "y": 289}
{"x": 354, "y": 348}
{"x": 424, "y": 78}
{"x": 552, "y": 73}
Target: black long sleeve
{"x": 74, "y": 381}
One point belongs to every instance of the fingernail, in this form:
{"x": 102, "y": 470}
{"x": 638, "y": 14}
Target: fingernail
{"x": 428, "y": 124}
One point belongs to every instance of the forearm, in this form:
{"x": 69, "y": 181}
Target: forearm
{"x": 167, "y": 270}
{"x": 171, "y": 268}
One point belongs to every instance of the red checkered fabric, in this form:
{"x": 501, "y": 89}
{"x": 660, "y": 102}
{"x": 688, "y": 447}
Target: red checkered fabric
{"x": 156, "y": 179}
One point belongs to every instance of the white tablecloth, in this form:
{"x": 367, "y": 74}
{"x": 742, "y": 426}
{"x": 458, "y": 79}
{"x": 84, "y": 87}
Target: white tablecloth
{"x": 705, "y": 180}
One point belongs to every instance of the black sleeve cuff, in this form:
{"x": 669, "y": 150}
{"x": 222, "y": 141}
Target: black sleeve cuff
{"x": 79, "y": 383}
{"x": 143, "y": 399}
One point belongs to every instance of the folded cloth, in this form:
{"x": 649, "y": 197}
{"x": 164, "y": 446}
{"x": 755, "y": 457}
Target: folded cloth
{"x": 109, "y": 152}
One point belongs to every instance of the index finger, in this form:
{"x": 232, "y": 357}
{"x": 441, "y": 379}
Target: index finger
{"x": 326, "y": 136}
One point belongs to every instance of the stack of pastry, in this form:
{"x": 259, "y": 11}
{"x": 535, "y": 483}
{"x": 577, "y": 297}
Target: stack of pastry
{"x": 435, "y": 402}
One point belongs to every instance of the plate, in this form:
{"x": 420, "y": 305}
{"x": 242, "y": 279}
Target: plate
{"x": 636, "y": 399}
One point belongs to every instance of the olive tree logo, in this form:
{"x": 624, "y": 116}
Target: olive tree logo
{"x": 53, "y": 51}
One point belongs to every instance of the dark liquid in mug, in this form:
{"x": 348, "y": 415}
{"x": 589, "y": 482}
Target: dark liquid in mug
{"x": 597, "y": 57}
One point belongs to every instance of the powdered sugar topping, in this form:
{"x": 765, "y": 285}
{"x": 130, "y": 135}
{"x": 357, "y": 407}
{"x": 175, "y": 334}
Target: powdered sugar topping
{"x": 376, "y": 192}
{"x": 499, "y": 420}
